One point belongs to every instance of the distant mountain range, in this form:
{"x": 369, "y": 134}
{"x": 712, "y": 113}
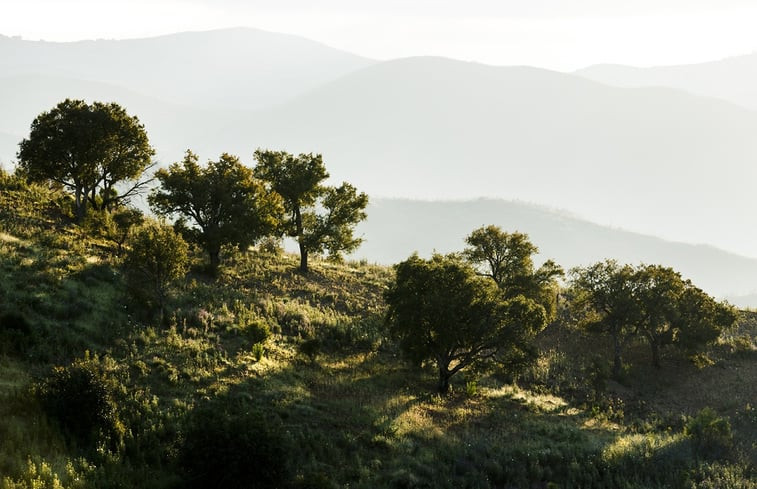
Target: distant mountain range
{"x": 396, "y": 228}
{"x": 231, "y": 68}
{"x": 658, "y": 160}
{"x": 733, "y": 79}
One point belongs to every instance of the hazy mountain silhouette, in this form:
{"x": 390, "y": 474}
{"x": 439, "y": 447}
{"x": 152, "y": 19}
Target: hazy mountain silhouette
{"x": 172, "y": 128}
{"x": 230, "y": 68}
{"x": 733, "y": 79}
{"x": 655, "y": 160}
{"x": 427, "y": 226}
{"x": 658, "y": 160}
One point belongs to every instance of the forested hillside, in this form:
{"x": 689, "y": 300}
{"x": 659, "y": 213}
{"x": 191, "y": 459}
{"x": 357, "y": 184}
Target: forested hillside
{"x": 255, "y": 374}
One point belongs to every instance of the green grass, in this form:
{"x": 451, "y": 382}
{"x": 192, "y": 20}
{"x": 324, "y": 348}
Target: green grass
{"x": 352, "y": 415}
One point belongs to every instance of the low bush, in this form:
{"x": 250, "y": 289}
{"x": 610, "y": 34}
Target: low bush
{"x": 79, "y": 399}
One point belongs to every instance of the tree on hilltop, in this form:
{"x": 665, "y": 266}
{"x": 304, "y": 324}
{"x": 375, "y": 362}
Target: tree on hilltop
{"x": 89, "y": 150}
{"x": 440, "y": 309}
{"x": 321, "y": 218}
{"x": 223, "y": 201}
{"x": 507, "y": 259}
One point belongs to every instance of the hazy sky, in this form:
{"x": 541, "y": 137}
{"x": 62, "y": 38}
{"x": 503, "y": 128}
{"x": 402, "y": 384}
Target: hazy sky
{"x": 558, "y": 34}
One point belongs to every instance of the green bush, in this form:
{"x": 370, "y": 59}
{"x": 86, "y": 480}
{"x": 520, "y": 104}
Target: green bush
{"x": 223, "y": 449}
{"x": 710, "y": 434}
{"x": 79, "y": 399}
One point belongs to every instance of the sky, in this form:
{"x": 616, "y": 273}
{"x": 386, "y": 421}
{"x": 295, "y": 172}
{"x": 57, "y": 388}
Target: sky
{"x": 556, "y": 34}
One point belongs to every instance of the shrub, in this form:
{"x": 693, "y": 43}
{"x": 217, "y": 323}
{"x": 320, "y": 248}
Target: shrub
{"x": 241, "y": 450}
{"x": 158, "y": 257}
{"x": 79, "y": 399}
{"x": 710, "y": 434}
{"x": 311, "y": 348}
{"x": 258, "y": 331}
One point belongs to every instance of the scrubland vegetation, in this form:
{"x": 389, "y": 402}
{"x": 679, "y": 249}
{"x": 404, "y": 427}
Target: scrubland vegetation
{"x": 126, "y": 360}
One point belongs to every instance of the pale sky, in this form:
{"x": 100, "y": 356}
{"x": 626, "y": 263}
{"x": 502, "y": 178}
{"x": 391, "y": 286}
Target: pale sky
{"x": 557, "y": 34}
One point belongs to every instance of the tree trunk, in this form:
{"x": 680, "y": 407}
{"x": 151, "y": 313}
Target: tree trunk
{"x": 215, "y": 260}
{"x": 303, "y": 258}
{"x": 300, "y": 240}
{"x": 443, "y": 380}
{"x": 655, "y": 353}
{"x": 617, "y": 363}
{"x": 80, "y": 202}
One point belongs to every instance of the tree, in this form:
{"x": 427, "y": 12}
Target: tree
{"x": 675, "y": 312}
{"x": 157, "y": 257}
{"x": 650, "y": 301}
{"x": 605, "y": 301}
{"x": 439, "y": 309}
{"x": 298, "y": 179}
{"x": 224, "y": 201}
{"x": 506, "y": 259}
{"x": 86, "y": 148}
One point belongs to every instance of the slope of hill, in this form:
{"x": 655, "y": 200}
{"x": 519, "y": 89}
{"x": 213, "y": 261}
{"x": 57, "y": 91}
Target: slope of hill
{"x": 395, "y": 228}
{"x": 658, "y": 161}
{"x": 732, "y": 79}
{"x": 231, "y": 68}
{"x": 345, "y": 412}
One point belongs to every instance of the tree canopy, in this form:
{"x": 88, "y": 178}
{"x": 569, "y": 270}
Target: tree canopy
{"x": 439, "y": 309}
{"x": 321, "y": 218}
{"x": 651, "y": 302}
{"x": 507, "y": 259}
{"x": 88, "y": 149}
{"x": 225, "y": 203}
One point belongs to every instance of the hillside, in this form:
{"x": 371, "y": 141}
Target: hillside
{"x": 733, "y": 79}
{"x": 238, "y": 69}
{"x": 427, "y": 226}
{"x": 327, "y": 397}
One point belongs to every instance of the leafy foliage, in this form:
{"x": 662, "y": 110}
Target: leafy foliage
{"x": 225, "y": 203}
{"x": 79, "y": 398}
{"x": 649, "y": 301}
{"x": 298, "y": 179}
{"x": 87, "y": 148}
{"x": 440, "y": 309}
{"x": 507, "y": 259}
{"x": 157, "y": 257}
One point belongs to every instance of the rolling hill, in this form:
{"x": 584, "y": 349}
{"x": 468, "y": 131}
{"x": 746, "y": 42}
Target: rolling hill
{"x": 428, "y": 226}
{"x": 733, "y": 79}
{"x": 230, "y": 68}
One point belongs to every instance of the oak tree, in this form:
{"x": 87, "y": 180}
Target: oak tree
{"x": 320, "y": 217}
{"x": 439, "y": 309}
{"x": 218, "y": 204}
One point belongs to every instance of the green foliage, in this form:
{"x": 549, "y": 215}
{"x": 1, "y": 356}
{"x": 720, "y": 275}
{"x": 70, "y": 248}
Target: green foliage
{"x": 79, "y": 398}
{"x": 649, "y": 301}
{"x": 298, "y": 179}
{"x": 311, "y": 348}
{"x": 710, "y": 434}
{"x": 223, "y": 448}
{"x": 506, "y": 258}
{"x": 224, "y": 203}
{"x": 87, "y": 148}
{"x": 439, "y": 309}
{"x": 157, "y": 258}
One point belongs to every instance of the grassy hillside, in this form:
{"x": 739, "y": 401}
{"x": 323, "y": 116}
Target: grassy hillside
{"x": 328, "y": 398}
